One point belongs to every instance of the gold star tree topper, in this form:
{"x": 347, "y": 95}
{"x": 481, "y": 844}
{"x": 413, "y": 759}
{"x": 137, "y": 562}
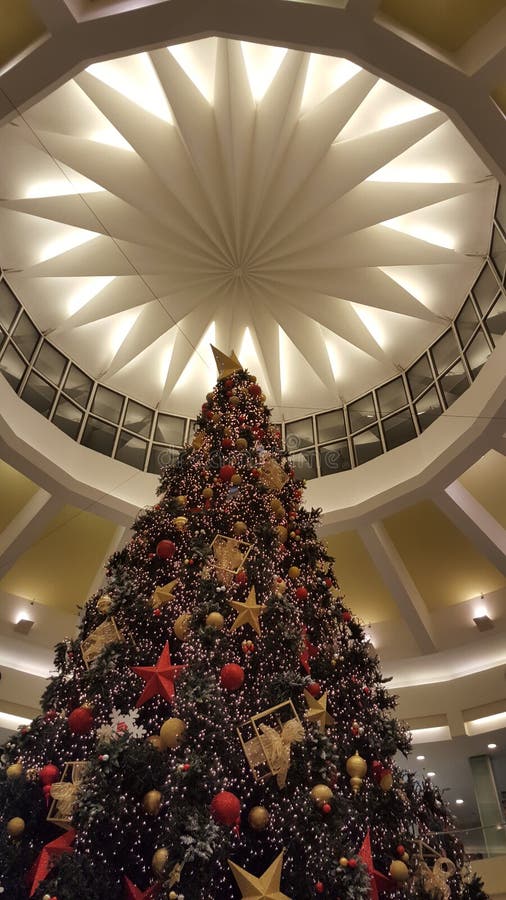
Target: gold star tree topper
{"x": 317, "y": 710}
{"x": 226, "y": 365}
{"x": 248, "y": 613}
{"x": 267, "y": 887}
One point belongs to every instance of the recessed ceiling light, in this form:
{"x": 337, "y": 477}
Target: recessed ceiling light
{"x": 492, "y": 746}
{"x": 23, "y": 626}
{"x": 431, "y": 774}
{"x": 459, "y": 802}
{"x": 420, "y": 757}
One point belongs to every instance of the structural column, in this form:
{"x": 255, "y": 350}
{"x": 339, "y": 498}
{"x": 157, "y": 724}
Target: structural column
{"x": 489, "y": 804}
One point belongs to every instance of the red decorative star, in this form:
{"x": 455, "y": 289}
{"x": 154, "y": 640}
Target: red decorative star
{"x": 380, "y": 884}
{"x": 160, "y": 678}
{"x": 48, "y": 856}
{"x": 307, "y": 653}
{"x": 133, "y": 893}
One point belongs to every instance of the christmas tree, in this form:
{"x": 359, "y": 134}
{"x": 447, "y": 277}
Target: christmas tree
{"x": 220, "y": 728}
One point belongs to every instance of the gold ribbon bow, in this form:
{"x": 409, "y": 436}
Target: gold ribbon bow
{"x": 65, "y": 792}
{"x": 435, "y": 879}
{"x": 277, "y": 745}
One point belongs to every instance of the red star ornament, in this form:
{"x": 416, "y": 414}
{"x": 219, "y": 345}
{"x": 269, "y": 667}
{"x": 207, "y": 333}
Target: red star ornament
{"x": 48, "y": 856}
{"x": 133, "y": 892}
{"x": 159, "y": 679}
{"x": 307, "y": 653}
{"x": 380, "y": 884}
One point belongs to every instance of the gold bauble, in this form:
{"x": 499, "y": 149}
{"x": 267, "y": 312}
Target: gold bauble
{"x": 151, "y": 802}
{"x": 215, "y": 620}
{"x": 104, "y": 604}
{"x": 239, "y": 528}
{"x": 181, "y": 500}
{"x": 282, "y": 533}
{"x": 235, "y": 400}
{"x": 343, "y": 862}
{"x": 172, "y": 733}
{"x": 14, "y": 771}
{"x": 216, "y": 418}
{"x": 209, "y": 397}
{"x": 398, "y": 870}
{"x": 293, "y": 572}
{"x": 207, "y": 493}
{"x": 258, "y": 818}
{"x": 155, "y": 741}
{"x": 405, "y": 857}
{"x": 262, "y": 398}
{"x": 386, "y": 782}
{"x": 180, "y": 522}
{"x": 321, "y": 794}
{"x": 172, "y": 895}
{"x": 236, "y": 479}
{"x": 182, "y": 626}
{"x": 252, "y": 378}
{"x": 356, "y": 767}
{"x": 356, "y": 783}
{"x": 15, "y": 827}
{"x": 159, "y": 861}
{"x": 241, "y": 444}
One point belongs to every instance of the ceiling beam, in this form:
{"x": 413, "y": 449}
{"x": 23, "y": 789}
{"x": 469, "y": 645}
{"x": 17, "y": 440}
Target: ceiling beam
{"x": 473, "y": 520}
{"x": 54, "y": 13}
{"x": 24, "y": 529}
{"x": 400, "y": 584}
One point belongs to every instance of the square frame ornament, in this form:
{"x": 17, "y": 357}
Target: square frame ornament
{"x": 64, "y": 794}
{"x": 229, "y": 554}
{"x": 256, "y": 747}
{"x": 106, "y": 633}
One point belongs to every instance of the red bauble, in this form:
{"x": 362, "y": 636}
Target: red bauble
{"x": 301, "y": 593}
{"x": 346, "y": 615}
{"x": 352, "y": 863}
{"x": 255, "y": 473}
{"x": 229, "y": 383}
{"x": 240, "y": 577}
{"x": 400, "y": 850}
{"x": 328, "y": 582}
{"x": 314, "y": 689}
{"x": 319, "y": 887}
{"x": 326, "y": 808}
{"x": 232, "y": 676}
{"x": 166, "y": 549}
{"x": 227, "y": 444}
{"x": 226, "y": 473}
{"x": 225, "y": 808}
{"x": 80, "y": 720}
{"x": 254, "y": 389}
{"x": 49, "y": 774}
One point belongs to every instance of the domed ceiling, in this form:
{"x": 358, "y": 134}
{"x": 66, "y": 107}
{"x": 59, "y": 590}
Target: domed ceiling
{"x": 322, "y": 222}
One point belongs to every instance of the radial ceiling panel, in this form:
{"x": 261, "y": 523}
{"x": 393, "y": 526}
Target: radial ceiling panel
{"x": 295, "y": 206}
{"x": 445, "y": 566}
{"x": 59, "y": 567}
{"x": 359, "y": 580}
{"x": 15, "y": 491}
{"x": 486, "y": 481}
{"x": 447, "y": 25}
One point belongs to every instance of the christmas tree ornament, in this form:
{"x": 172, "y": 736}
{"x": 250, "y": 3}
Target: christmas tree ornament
{"x": 258, "y": 818}
{"x": 134, "y": 893}
{"x": 267, "y": 887}
{"x": 319, "y": 887}
{"x": 343, "y": 862}
{"x": 239, "y": 528}
{"x": 15, "y": 827}
{"x": 182, "y": 626}
{"x": 232, "y": 677}
{"x": 226, "y": 473}
{"x": 80, "y": 720}
{"x": 254, "y": 389}
{"x": 225, "y": 808}
{"x": 181, "y": 500}
{"x": 279, "y": 587}
{"x": 321, "y": 793}
{"x": 226, "y": 365}
{"x": 98, "y": 639}
{"x": 309, "y": 651}
{"x": 229, "y": 555}
{"x": 293, "y": 572}
{"x": 180, "y": 523}
{"x": 379, "y": 883}
{"x": 159, "y": 679}
{"x": 266, "y": 740}
{"x": 282, "y": 532}
{"x": 215, "y": 620}
{"x": 155, "y": 741}
{"x": 172, "y": 733}
{"x": 15, "y": 770}
{"x": 151, "y": 802}
{"x": 49, "y": 855}
{"x": 317, "y": 711}
{"x": 248, "y": 613}
{"x": 160, "y": 861}
{"x": 236, "y": 479}
{"x": 241, "y": 444}
{"x": 386, "y": 780}
{"x": 207, "y": 493}
{"x": 49, "y": 774}
{"x": 301, "y": 593}
{"x": 164, "y": 594}
{"x": 398, "y": 871}
{"x": 356, "y": 768}
{"x": 64, "y": 794}
{"x": 104, "y": 604}
{"x": 272, "y": 475}
{"x": 314, "y": 689}
{"x": 166, "y": 549}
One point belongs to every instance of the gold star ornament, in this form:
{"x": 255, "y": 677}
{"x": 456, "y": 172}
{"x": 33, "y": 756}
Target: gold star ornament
{"x": 164, "y": 594}
{"x": 267, "y": 887}
{"x": 226, "y": 365}
{"x": 248, "y": 613}
{"x": 317, "y": 711}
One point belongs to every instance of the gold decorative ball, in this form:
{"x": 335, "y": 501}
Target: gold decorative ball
{"x": 398, "y": 870}
{"x": 282, "y": 533}
{"x": 159, "y": 861}
{"x": 172, "y": 733}
{"x": 262, "y": 398}
{"x": 252, "y": 378}
{"x": 343, "y": 862}
{"x": 172, "y": 895}
{"x": 14, "y": 771}
{"x": 258, "y": 818}
{"x": 180, "y": 522}
{"x": 15, "y": 827}
{"x": 181, "y": 500}
{"x": 236, "y": 479}
{"x": 215, "y": 620}
{"x": 207, "y": 493}
{"x": 321, "y": 794}
{"x": 104, "y": 604}
{"x": 216, "y": 418}
{"x": 356, "y": 767}
{"x": 235, "y": 400}
{"x": 386, "y": 782}
{"x": 241, "y": 444}
{"x": 239, "y": 528}
{"x": 405, "y": 857}
{"x": 151, "y": 802}
{"x": 155, "y": 741}
{"x": 293, "y": 572}
{"x": 182, "y": 626}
